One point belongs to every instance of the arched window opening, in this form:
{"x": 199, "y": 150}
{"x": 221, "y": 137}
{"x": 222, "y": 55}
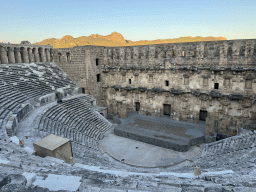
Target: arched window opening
{"x": 59, "y": 57}
{"x": 68, "y": 57}
{"x": 21, "y": 55}
{"x": 40, "y": 55}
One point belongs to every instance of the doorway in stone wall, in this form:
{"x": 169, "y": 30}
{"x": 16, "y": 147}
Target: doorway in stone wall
{"x": 137, "y": 106}
{"x": 167, "y": 109}
{"x": 202, "y": 115}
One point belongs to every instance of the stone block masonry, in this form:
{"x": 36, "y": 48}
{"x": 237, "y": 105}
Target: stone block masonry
{"x": 210, "y": 81}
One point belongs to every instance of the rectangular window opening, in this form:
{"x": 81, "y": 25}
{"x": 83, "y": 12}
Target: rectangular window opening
{"x": 151, "y": 79}
{"x": 216, "y": 85}
{"x": 226, "y": 82}
{"x": 202, "y": 115}
{"x": 205, "y": 81}
{"x": 186, "y": 80}
{"x": 98, "y": 77}
{"x": 97, "y": 62}
{"x": 248, "y": 83}
{"x": 166, "y": 83}
{"x": 167, "y": 109}
{"x": 137, "y": 106}
{"x": 130, "y": 81}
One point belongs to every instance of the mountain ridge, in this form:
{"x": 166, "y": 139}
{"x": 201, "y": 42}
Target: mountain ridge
{"x": 116, "y": 39}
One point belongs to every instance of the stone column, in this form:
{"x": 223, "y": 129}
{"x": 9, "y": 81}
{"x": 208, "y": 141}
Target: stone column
{"x": 51, "y": 55}
{"x": 42, "y": 53}
{"x": 25, "y": 55}
{"x": 30, "y": 55}
{"x": 3, "y": 55}
{"x": 17, "y": 55}
{"x": 48, "y": 57}
{"x": 11, "y": 57}
{"x": 36, "y": 55}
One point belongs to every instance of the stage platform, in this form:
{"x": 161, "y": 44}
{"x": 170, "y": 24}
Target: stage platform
{"x": 162, "y": 132}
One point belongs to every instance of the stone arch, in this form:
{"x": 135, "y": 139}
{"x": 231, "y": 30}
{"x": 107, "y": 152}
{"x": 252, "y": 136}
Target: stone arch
{"x": 51, "y": 55}
{"x": 22, "y": 55}
{"x": 68, "y": 56}
{"x": 40, "y": 58}
{"x": 59, "y": 57}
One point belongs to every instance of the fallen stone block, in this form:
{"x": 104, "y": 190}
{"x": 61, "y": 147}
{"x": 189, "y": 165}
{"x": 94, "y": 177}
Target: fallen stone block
{"x": 59, "y": 182}
{"x": 29, "y": 150}
{"x": 15, "y": 140}
{"x": 54, "y": 146}
{"x": 31, "y": 177}
{"x": 4, "y": 161}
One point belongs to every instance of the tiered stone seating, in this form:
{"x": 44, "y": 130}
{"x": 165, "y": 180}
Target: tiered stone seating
{"x": 10, "y": 99}
{"x": 75, "y": 119}
{"x": 19, "y": 83}
{"x": 230, "y": 144}
{"x": 48, "y": 126}
{"x": 35, "y": 79}
{"x": 81, "y": 106}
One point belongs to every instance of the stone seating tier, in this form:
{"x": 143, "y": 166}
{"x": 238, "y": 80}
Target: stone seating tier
{"x": 230, "y": 144}
{"x": 77, "y": 115}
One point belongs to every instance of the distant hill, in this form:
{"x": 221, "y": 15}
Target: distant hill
{"x": 116, "y": 39}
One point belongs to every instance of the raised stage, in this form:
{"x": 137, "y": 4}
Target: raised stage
{"x": 162, "y": 132}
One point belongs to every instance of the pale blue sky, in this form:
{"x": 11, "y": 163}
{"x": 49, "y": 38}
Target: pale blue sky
{"x": 136, "y": 20}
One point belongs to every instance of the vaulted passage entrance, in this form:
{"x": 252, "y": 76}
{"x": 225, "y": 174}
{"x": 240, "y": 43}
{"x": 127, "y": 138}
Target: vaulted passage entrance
{"x": 202, "y": 115}
{"x": 137, "y": 105}
{"x": 167, "y": 109}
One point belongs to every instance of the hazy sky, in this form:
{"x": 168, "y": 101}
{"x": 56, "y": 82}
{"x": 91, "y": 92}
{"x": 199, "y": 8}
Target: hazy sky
{"x": 35, "y": 20}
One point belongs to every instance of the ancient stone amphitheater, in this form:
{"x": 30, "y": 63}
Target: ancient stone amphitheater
{"x": 72, "y": 99}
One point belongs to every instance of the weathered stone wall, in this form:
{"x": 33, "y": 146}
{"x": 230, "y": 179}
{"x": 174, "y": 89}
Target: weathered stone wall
{"x": 222, "y": 53}
{"x": 214, "y": 77}
{"x": 25, "y": 53}
{"x": 80, "y": 64}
